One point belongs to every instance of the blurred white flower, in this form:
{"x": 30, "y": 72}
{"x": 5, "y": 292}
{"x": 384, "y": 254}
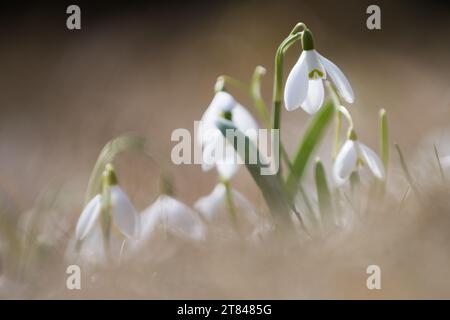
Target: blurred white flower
{"x": 304, "y": 85}
{"x": 214, "y": 209}
{"x": 169, "y": 215}
{"x": 352, "y": 154}
{"x": 211, "y": 139}
{"x": 124, "y": 216}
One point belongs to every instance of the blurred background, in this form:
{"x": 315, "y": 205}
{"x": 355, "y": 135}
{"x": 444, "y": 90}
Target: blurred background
{"x": 150, "y": 68}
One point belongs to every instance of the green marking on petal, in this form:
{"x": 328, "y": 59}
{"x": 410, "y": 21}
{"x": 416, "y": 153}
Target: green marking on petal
{"x": 315, "y": 74}
{"x": 360, "y": 162}
{"x": 226, "y": 115}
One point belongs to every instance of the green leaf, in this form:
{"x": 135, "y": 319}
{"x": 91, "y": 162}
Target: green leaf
{"x": 270, "y": 185}
{"x": 311, "y": 139}
{"x": 323, "y": 192}
{"x": 441, "y": 171}
{"x": 109, "y": 152}
{"x": 406, "y": 172}
{"x": 384, "y": 139}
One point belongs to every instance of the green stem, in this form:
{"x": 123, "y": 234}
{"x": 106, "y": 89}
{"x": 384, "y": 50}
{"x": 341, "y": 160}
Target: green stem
{"x": 106, "y": 213}
{"x": 255, "y": 93}
{"x": 230, "y": 203}
{"x": 337, "y": 135}
{"x": 224, "y": 80}
{"x": 278, "y": 82}
{"x": 278, "y": 77}
{"x": 338, "y": 128}
{"x": 298, "y": 27}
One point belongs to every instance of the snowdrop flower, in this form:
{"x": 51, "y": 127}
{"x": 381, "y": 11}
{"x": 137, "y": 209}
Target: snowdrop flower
{"x": 304, "y": 85}
{"x": 352, "y": 154}
{"x": 174, "y": 217}
{"x": 214, "y": 209}
{"x": 211, "y": 139}
{"x": 124, "y": 216}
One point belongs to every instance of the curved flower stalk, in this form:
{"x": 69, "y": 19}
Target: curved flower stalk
{"x": 304, "y": 85}
{"x": 214, "y": 208}
{"x": 211, "y": 140}
{"x": 167, "y": 215}
{"x": 110, "y": 211}
{"x": 354, "y": 154}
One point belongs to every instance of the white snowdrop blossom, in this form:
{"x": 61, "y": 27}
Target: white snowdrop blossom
{"x": 304, "y": 85}
{"x": 353, "y": 154}
{"x": 124, "y": 216}
{"x": 169, "y": 215}
{"x": 216, "y": 151}
{"x": 214, "y": 209}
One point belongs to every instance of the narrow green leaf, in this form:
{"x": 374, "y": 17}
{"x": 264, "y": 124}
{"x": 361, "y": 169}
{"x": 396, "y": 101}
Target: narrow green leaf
{"x": 270, "y": 185}
{"x": 109, "y": 152}
{"x": 323, "y": 192}
{"x": 406, "y": 172}
{"x": 436, "y": 154}
{"x": 384, "y": 139}
{"x": 311, "y": 139}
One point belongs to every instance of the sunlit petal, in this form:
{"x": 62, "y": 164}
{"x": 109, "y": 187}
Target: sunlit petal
{"x": 314, "y": 99}
{"x": 339, "y": 79}
{"x": 296, "y": 87}
{"x": 315, "y": 67}
{"x": 174, "y": 216}
{"x": 345, "y": 162}
{"x": 214, "y": 209}
{"x": 88, "y": 218}
{"x": 125, "y": 216}
{"x": 244, "y": 121}
{"x": 372, "y": 160}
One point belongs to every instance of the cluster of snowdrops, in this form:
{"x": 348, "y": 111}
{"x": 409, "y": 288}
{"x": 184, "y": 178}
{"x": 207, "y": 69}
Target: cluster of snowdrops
{"x": 111, "y": 228}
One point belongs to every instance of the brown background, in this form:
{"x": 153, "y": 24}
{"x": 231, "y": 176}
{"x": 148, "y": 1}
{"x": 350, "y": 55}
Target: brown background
{"x": 149, "y": 69}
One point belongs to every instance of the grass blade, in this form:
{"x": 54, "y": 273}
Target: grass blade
{"x": 436, "y": 153}
{"x": 384, "y": 139}
{"x": 406, "y": 171}
{"x": 323, "y": 192}
{"x": 311, "y": 139}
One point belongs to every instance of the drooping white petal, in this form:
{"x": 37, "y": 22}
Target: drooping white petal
{"x": 296, "y": 87}
{"x": 315, "y": 67}
{"x": 208, "y": 155}
{"x": 213, "y": 207}
{"x": 92, "y": 251}
{"x": 125, "y": 216}
{"x": 215, "y": 150}
{"x": 227, "y": 162}
{"x": 314, "y": 99}
{"x": 345, "y": 162}
{"x": 244, "y": 121}
{"x": 339, "y": 79}
{"x": 88, "y": 218}
{"x": 372, "y": 160}
{"x": 222, "y": 102}
{"x": 174, "y": 216}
